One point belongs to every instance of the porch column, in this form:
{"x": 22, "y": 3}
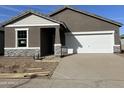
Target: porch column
{"x": 57, "y": 45}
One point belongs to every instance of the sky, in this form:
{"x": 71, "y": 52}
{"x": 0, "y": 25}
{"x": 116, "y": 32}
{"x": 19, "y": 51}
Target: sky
{"x": 113, "y": 12}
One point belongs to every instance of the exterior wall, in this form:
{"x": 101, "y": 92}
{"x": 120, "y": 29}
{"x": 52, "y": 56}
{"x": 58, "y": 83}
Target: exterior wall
{"x": 77, "y": 22}
{"x": 62, "y": 35}
{"x": 34, "y": 41}
{"x": 10, "y": 42}
{"x": 21, "y": 52}
{"x": 122, "y": 44}
{"x": 1, "y": 42}
{"x": 34, "y": 36}
{"x": 9, "y": 37}
{"x": 34, "y": 24}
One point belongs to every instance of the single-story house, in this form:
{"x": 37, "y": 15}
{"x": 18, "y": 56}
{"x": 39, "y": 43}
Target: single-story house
{"x": 78, "y": 31}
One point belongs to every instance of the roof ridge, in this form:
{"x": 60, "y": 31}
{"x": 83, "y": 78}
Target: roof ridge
{"x": 87, "y": 13}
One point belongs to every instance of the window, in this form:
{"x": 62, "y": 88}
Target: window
{"x": 21, "y": 37}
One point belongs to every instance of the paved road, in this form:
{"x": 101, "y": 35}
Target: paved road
{"x": 82, "y": 70}
{"x": 59, "y": 83}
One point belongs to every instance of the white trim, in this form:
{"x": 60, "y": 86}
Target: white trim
{"x": 57, "y": 44}
{"x": 91, "y": 32}
{"x": 16, "y": 37}
{"x": 117, "y": 45}
{"x": 24, "y": 48}
{"x": 55, "y": 24}
{"x": 16, "y": 41}
{"x": 21, "y": 29}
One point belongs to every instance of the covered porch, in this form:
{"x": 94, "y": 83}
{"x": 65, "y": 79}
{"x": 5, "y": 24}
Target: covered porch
{"x": 32, "y": 34}
{"x": 50, "y": 43}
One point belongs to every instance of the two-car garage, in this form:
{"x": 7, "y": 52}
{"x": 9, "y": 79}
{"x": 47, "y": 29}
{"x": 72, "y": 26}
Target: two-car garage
{"x": 90, "y": 42}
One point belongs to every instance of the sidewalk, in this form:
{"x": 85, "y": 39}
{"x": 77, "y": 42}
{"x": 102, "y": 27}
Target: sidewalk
{"x": 54, "y": 83}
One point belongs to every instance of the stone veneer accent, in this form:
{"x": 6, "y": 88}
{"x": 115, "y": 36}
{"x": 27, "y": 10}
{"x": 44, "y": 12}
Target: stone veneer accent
{"x": 21, "y": 52}
{"x": 117, "y": 49}
{"x": 57, "y": 50}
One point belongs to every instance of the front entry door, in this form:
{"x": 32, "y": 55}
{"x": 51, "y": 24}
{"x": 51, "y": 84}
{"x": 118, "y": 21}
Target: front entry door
{"x": 47, "y": 41}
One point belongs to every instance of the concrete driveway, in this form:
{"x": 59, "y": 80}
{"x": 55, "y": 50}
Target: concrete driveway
{"x": 91, "y": 67}
{"x": 80, "y": 70}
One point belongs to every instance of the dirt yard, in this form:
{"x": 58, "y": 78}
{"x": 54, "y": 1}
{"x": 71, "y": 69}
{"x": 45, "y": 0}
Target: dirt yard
{"x": 121, "y": 54}
{"x": 25, "y": 65}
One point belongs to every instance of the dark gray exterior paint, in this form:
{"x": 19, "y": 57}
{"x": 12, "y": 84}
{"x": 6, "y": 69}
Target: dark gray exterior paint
{"x": 34, "y": 37}
{"x": 1, "y": 42}
{"x": 87, "y": 13}
{"x": 78, "y": 22}
{"x": 9, "y": 37}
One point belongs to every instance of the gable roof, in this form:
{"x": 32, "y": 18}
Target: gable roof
{"x": 87, "y": 13}
{"x": 13, "y": 19}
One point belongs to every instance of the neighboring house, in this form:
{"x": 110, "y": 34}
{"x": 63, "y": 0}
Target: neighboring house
{"x": 122, "y": 42}
{"x": 31, "y": 33}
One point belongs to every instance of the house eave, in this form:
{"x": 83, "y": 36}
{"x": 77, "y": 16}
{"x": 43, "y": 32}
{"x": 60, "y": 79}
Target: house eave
{"x": 26, "y": 13}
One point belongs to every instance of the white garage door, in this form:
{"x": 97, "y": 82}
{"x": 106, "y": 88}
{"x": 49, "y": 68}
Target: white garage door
{"x": 90, "y": 42}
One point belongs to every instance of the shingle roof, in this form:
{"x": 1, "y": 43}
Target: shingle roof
{"x": 49, "y": 18}
{"x": 87, "y": 13}
{"x": 29, "y": 12}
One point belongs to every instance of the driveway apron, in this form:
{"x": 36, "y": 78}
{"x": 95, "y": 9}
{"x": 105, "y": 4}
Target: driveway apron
{"x": 91, "y": 66}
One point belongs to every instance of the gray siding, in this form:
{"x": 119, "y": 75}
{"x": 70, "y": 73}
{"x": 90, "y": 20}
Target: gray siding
{"x": 34, "y": 36}
{"x": 77, "y": 22}
{"x": 9, "y": 37}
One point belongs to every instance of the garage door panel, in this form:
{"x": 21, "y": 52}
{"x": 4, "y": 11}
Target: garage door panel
{"x": 96, "y": 43}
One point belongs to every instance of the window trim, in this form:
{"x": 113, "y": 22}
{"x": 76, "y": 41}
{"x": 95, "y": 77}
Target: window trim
{"x": 16, "y": 37}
